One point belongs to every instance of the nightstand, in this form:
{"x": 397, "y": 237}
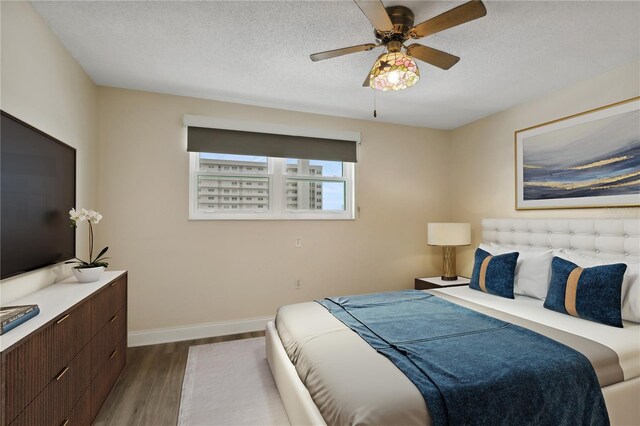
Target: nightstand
{"x": 437, "y": 282}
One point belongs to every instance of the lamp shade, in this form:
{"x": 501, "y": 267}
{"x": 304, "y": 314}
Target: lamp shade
{"x": 393, "y": 71}
{"x": 449, "y": 234}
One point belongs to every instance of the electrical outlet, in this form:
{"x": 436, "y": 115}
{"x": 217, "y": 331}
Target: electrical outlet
{"x": 298, "y": 242}
{"x": 298, "y": 284}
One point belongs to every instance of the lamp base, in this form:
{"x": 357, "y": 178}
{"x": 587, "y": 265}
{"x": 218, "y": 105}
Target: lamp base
{"x": 453, "y": 278}
{"x": 449, "y": 263}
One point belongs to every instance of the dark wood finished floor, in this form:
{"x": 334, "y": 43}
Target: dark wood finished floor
{"x": 148, "y": 390}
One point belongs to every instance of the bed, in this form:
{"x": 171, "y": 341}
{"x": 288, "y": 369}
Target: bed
{"x": 306, "y": 344}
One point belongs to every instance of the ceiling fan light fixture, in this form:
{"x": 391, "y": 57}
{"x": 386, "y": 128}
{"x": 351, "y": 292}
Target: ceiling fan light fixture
{"x": 393, "y": 71}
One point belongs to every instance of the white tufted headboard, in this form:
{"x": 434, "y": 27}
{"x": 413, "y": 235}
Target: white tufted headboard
{"x": 614, "y": 239}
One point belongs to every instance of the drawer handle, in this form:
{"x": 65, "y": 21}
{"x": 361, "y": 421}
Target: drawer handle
{"x": 62, "y": 373}
{"x": 113, "y": 283}
{"x": 113, "y": 353}
{"x": 65, "y": 423}
{"x": 114, "y": 318}
{"x": 62, "y": 319}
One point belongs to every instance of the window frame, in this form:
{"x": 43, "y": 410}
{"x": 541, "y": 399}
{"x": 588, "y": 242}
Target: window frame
{"x": 277, "y": 209}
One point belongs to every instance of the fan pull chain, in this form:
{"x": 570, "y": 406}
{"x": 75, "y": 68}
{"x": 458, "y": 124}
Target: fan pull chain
{"x": 375, "y": 113}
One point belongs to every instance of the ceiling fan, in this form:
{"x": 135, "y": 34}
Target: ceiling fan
{"x": 392, "y": 27}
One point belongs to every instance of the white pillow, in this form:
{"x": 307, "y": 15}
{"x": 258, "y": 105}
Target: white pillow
{"x": 533, "y": 269}
{"x": 630, "y": 284}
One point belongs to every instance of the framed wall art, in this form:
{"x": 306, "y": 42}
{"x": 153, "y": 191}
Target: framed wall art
{"x": 591, "y": 159}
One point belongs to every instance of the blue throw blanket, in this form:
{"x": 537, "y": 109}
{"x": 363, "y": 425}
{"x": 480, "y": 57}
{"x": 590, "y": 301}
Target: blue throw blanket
{"x": 473, "y": 369}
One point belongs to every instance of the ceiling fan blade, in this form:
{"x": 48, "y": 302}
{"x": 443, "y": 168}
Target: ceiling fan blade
{"x": 432, "y": 56}
{"x": 458, "y": 15}
{"x": 376, "y": 14}
{"x": 315, "y": 57}
{"x": 366, "y": 80}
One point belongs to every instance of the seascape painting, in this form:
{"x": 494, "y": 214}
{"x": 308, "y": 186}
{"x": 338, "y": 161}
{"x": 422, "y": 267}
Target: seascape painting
{"x": 589, "y": 160}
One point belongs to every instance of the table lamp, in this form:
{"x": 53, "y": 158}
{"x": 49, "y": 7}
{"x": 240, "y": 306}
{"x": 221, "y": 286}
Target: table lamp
{"x": 448, "y": 236}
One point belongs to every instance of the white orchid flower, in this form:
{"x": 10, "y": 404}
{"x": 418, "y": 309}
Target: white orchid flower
{"x": 95, "y": 218}
{"x": 75, "y": 215}
{"x": 92, "y": 217}
{"x": 84, "y": 214}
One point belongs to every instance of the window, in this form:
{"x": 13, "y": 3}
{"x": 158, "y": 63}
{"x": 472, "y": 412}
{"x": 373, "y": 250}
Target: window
{"x": 243, "y": 170}
{"x": 312, "y": 189}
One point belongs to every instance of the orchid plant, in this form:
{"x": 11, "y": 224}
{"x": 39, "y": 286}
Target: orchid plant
{"x": 92, "y": 217}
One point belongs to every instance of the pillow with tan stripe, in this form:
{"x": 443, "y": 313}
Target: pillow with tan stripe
{"x": 630, "y": 282}
{"x": 494, "y": 274}
{"x": 593, "y": 293}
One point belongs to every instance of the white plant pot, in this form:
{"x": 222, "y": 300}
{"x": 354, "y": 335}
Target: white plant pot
{"x": 88, "y": 275}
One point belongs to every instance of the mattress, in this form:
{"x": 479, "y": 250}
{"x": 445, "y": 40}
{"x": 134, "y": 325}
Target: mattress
{"x": 336, "y": 365}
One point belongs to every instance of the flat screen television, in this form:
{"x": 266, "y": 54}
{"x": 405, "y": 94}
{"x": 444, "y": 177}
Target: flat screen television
{"x": 38, "y": 188}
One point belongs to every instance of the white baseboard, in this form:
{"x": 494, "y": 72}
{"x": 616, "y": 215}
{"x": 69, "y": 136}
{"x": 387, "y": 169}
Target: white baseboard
{"x": 199, "y": 331}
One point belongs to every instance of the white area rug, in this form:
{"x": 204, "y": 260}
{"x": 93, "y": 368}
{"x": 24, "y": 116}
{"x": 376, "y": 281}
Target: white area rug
{"x": 230, "y": 384}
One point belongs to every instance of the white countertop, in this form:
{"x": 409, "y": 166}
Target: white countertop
{"x": 52, "y": 301}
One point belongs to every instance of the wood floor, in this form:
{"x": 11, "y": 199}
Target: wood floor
{"x": 148, "y": 390}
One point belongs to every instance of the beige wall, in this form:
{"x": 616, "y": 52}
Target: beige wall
{"x": 44, "y": 86}
{"x": 482, "y": 154}
{"x": 190, "y": 272}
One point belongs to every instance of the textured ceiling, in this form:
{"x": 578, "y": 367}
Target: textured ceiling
{"x": 257, "y": 52}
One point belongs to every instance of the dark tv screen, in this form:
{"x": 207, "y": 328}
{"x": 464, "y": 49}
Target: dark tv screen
{"x": 38, "y": 188}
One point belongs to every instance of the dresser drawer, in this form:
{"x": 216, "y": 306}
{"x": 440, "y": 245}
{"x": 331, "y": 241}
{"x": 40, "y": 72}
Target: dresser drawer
{"x": 32, "y": 365}
{"x": 107, "y": 339}
{"x": 54, "y": 404}
{"x": 107, "y": 303}
{"x": 80, "y": 414}
{"x": 101, "y": 385}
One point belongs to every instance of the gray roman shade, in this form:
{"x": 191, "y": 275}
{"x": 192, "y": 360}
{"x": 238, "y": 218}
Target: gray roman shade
{"x": 223, "y": 141}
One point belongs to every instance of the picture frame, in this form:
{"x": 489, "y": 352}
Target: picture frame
{"x": 585, "y": 160}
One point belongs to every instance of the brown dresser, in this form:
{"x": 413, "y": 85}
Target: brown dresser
{"x": 62, "y": 372}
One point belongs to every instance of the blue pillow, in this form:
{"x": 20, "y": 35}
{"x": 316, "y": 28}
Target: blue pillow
{"x": 590, "y": 293}
{"x": 494, "y": 274}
